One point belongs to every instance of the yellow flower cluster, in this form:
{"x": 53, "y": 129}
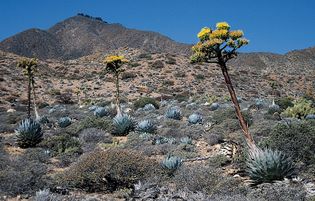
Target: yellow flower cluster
{"x": 220, "y": 34}
{"x": 242, "y": 41}
{"x": 215, "y": 41}
{"x": 236, "y": 34}
{"x": 197, "y": 47}
{"x": 204, "y": 32}
{"x": 223, "y": 26}
{"x": 115, "y": 58}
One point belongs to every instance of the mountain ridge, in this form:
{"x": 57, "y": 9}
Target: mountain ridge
{"x": 80, "y": 36}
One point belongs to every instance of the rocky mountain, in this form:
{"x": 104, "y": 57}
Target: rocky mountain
{"x": 83, "y": 35}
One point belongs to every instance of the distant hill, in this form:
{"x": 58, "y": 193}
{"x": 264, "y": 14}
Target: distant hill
{"x": 84, "y": 35}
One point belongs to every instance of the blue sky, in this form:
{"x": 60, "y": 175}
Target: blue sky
{"x": 270, "y": 25}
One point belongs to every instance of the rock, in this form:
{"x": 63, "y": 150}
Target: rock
{"x": 11, "y": 110}
{"x": 214, "y": 106}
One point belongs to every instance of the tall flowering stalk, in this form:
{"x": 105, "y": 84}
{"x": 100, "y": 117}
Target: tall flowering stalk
{"x": 219, "y": 46}
{"x": 114, "y": 66}
{"x": 29, "y": 67}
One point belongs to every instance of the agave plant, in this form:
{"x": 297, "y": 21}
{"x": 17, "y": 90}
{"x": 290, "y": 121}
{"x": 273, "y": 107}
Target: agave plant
{"x": 100, "y": 112}
{"x": 268, "y": 165}
{"x": 29, "y": 133}
{"x": 146, "y": 126}
{"x": 163, "y": 140}
{"x": 171, "y": 163}
{"x": 186, "y": 140}
{"x": 173, "y": 113}
{"x": 123, "y": 124}
{"x": 195, "y": 118}
{"x": 64, "y": 122}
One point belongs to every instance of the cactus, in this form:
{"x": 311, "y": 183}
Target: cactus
{"x": 123, "y": 124}
{"x": 301, "y": 109}
{"x": 100, "y": 112}
{"x": 186, "y": 140}
{"x": 171, "y": 163}
{"x": 28, "y": 133}
{"x": 64, "y": 122}
{"x": 146, "y": 126}
{"x": 195, "y": 118}
{"x": 268, "y": 165}
{"x": 173, "y": 113}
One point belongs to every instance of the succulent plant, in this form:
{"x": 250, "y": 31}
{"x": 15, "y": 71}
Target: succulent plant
{"x": 146, "y": 126}
{"x": 92, "y": 108}
{"x": 186, "y": 140}
{"x": 173, "y": 113}
{"x": 163, "y": 140}
{"x": 149, "y": 107}
{"x": 29, "y": 133}
{"x": 268, "y": 165}
{"x": 123, "y": 124}
{"x": 171, "y": 162}
{"x": 310, "y": 116}
{"x": 214, "y": 106}
{"x": 195, "y": 118}
{"x": 43, "y": 120}
{"x": 100, "y": 112}
{"x": 64, "y": 122}
{"x": 300, "y": 110}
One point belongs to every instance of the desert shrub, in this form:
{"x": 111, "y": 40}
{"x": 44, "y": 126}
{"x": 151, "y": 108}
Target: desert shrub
{"x": 89, "y": 122}
{"x": 168, "y": 82}
{"x": 282, "y": 192}
{"x": 95, "y": 135}
{"x": 145, "y": 56}
{"x": 200, "y": 178}
{"x": 64, "y": 98}
{"x": 63, "y": 143}
{"x": 301, "y": 109}
{"x": 141, "y": 102}
{"x": 266, "y": 165}
{"x": 284, "y": 102}
{"x": 180, "y": 74}
{"x": 22, "y": 176}
{"x": 296, "y": 139}
{"x": 157, "y": 64}
{"x": 109, "y": 170}
{"x": 219, "y": 116}
{"x": 29, "y": 133}
{"x": 128, "y": 75}
{"x": 134, "y": 64}
{"x": 199, "y": 77}
{"x": 170, "y": 60}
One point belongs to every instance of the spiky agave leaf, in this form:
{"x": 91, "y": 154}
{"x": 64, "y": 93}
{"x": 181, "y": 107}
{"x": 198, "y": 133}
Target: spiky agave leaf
{"x": 100, "y": 111}
{"x": 265, "y": 166}
{"x": 173, "y": 113}
{"x": 29, "y": 133}
{"x": 195, "y": 118}
{"x": 123, "y": 124}
{"x": 146, "y": 126}
{"x": 64, "y": 122}
{"x": 171, "y": 162}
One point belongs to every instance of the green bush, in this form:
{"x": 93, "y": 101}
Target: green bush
{"x": 108, "y": 170}
{"x": 284, "y": 102}
{"x": 220, "y": 116}
{"x": 62, "y": 144}
{"x": 296, "y": 139}
{"x": 301, "y": 108}
{"x": 141, "y": 102}
{"x": 89, "y": 122}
